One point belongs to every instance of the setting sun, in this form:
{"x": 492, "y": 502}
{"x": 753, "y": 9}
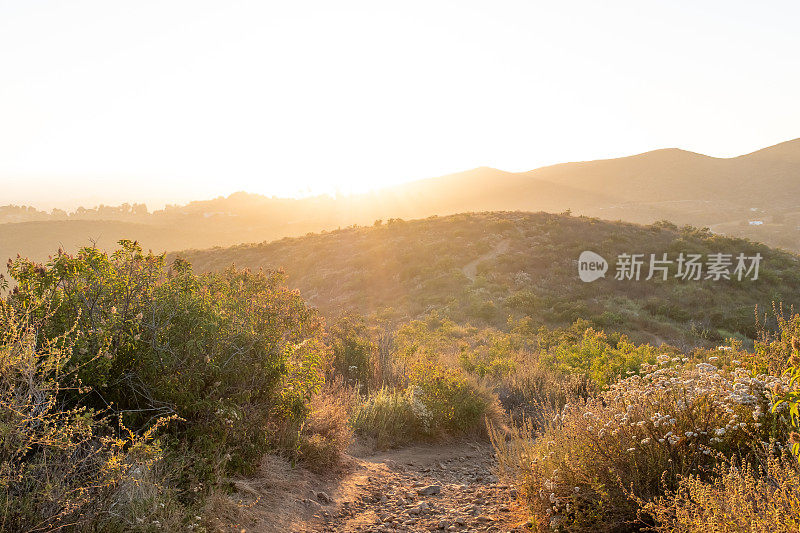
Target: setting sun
{"x": 185, "y": 100}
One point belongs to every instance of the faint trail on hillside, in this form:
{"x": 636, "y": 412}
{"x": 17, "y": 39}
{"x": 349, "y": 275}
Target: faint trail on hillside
{"x": 471, "y": 269}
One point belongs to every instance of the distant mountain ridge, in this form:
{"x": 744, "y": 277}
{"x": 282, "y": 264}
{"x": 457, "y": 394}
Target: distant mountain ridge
{"x": 753, "y": 195}
{"x": 678, "y": 174}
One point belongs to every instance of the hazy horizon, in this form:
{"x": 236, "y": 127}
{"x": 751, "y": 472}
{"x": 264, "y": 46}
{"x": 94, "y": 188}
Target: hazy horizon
{"x": 154, "y": 204}
{"x": 168, "y": 103}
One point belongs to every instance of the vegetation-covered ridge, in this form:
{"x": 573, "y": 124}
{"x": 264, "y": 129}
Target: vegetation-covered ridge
{"x": 746, "y": 196}
{"x": 485, "y": 267}
{"x": 137, "y": 390}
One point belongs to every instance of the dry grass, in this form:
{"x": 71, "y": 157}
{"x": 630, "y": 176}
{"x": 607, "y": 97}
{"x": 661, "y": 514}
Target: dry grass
{"x": 645, "y": 432}
{"x": 327, "y": 432}
{"x": 268, "y": 501}
{"x": 741, "y": 497}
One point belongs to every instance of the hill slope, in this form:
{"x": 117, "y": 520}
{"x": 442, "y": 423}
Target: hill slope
{"x": 485, "y": 267}
{"x": 683, "y": 187}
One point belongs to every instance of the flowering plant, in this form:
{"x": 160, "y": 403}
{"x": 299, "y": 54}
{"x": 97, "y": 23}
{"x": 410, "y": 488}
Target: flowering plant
{"x": 791, "y": 396}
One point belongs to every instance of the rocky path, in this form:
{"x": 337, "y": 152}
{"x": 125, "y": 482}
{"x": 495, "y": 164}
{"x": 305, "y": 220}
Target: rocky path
{"x": 419, "y": 488}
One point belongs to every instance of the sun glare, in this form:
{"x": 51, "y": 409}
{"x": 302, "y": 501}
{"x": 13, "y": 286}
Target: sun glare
{"x": 183, "y": 100}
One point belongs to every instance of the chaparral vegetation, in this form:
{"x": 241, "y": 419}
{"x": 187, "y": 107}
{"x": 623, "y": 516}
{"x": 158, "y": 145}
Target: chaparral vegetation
{"x": 135, "y": 387}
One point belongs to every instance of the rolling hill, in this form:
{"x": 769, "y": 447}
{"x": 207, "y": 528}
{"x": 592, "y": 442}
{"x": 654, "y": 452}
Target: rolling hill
{"x": 485, "y": 267}
{"x": 753, "y": 196}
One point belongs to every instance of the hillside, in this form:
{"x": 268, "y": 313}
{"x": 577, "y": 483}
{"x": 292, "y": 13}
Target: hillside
{"x": 749, "y": 196}
{"x": 483, "y": 268}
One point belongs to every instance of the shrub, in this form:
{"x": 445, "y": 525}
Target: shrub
{"x": 353, "y": 351}
{"x": 759, "y": 498}
{"x": 495, "y": 360}
{"x": 60, "y": 465}
{"x": 595, "y": 356}
{"x": 438, "y": 402}
{"x": 637, "y": 439}
{"x": 235, "y": 354}
{"x": 327, "y": 432}
{"x": 456, "y": 404}
{"x": 532, "y": 391}
{"x": 393, "y": 418}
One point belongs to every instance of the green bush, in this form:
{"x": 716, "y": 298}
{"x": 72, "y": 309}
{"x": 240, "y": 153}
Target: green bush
{"x": 63, "y": 466}
{"x": 393, "y": 417}
{"x": 486, "y": 363}
{"x": 455, "y": 403}
{"x": 235, "y": 354}
{"x": 353, "y": 351}
{"x": 596, "y": 356}
{"x": 438, "y": 402}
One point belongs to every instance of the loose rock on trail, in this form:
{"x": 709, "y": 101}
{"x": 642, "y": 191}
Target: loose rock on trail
{"x": 423, "y": 488}
{"x": 448, "y": 487}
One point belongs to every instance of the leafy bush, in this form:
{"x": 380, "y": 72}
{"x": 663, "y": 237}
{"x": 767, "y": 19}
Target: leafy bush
{"x": 485, "y": 363}
{"x": 353, "y": 351}
{"x": 393, "y": 417}
{"x": 455, "y": 403}
{"x": 61, "y": 465}
{"x": 438, "y": 402}
{"x": 235, "y": 354}
{"x": 595, "y": 356}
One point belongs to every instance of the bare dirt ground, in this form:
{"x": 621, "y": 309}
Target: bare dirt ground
{"x": 447, "y": 487}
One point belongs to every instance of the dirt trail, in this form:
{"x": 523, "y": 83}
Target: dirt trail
{"x": 418, "y": 488}
{"x": 471, "y": 269}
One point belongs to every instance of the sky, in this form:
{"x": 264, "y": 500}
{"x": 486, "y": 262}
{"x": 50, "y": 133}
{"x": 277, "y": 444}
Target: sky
{"x": 169, "y": 101}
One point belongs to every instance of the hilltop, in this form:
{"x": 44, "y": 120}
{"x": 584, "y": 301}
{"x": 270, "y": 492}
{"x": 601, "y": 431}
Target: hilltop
{"x": 747, "y": 196}
{"x": 485, "y": 267}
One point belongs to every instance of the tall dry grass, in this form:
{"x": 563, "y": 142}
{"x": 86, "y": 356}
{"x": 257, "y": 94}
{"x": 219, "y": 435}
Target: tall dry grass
{"x": 327, "y": 432}
{"x": 757, "y": 497}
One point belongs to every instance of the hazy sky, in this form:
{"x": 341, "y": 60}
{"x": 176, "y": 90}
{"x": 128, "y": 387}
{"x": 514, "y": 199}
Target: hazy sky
{"x": 168, "y": 101}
